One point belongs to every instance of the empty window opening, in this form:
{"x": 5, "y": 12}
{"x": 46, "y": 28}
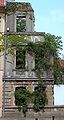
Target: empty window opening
{"x": 21, "y": 23}
{"x": 20, "y": 59}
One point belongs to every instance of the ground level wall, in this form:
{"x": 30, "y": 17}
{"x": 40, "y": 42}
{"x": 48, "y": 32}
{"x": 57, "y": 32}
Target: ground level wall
{"x": 32, "y": 116}
{"x": 11, "y": 86}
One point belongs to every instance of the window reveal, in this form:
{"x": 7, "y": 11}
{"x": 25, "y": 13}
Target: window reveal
{"x": 21, "y": 23}
{"x": 20, "y": 59}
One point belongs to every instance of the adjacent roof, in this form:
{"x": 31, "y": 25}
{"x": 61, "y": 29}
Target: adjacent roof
{"x": 1, "y": 3}
{"x": 62, "y": 63}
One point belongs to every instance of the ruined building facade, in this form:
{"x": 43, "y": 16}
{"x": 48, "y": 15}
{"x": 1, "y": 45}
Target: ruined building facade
{"x": 23, "y": 16}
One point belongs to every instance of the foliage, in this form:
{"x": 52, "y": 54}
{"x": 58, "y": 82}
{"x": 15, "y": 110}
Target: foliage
{"x": 46, "y": 55}
{"x": 55, "y": 46}
{"x": 1, "y": 41}
{"x": 12, "y": 7}
{"x": 57, "y": 71}
{"x": 41, "y": 51}
{"x": 20, "y": 24}
{"x": 20, "y": 58}
{"x": 22, "y": 96}
{"x": 40, "y": 97}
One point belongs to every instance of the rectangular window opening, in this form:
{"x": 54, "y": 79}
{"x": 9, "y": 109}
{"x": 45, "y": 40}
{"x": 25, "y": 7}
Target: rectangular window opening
{"x": 20, "y": 23}
{"x": 20, "y": 59}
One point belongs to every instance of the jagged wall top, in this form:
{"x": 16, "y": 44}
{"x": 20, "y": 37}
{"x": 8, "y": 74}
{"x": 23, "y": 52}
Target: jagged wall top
{"x": 16, "y": 6}
{"x": 21, "y": 6}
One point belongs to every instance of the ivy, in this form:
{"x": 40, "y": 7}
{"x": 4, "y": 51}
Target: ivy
{"x": 22, "y": 96}
{"x": 38, "y": 98}
{"x": 15, "y": 6}
{"x": 41, "y": 51}
{"x": 20, "y": 58}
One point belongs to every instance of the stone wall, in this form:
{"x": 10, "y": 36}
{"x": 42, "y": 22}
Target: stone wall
{"x": 50, "y": 95}
{"x": 2, "y": 22}
{"x": 33, "y": 116}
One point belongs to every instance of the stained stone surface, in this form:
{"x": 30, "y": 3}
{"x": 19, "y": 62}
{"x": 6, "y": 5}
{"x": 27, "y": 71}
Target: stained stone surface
{"x": 44, "y": 116}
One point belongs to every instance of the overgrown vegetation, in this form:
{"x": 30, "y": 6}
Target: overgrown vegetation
{"x": 46, "y": 56}
{"x": 22, "y": 97}
{"x": 40, "y": 97}
{"x": 15, "y": 6}
{"x": 37, "y": 98}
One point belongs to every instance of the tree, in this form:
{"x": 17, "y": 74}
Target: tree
{"x": 55, "y": 47}
{"x": 43, "y": 52}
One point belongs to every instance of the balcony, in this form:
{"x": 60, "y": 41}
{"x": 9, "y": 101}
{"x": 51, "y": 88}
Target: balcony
{"x": 23, "y": 75}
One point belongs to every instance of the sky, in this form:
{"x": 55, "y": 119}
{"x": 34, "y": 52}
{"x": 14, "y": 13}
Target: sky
{"x": 59, "y": 94}
{"x": 49, "y": 18}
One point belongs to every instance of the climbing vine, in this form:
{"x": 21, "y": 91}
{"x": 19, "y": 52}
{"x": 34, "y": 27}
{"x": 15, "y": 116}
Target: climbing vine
{"x": 38, "y": 98}
{"x": 42, "y": 51}
{"x": 22, "y": 99}
{"x": 46, "y": 56}
{"x": 46, "y": 53}
{"x": 17, "y": 6}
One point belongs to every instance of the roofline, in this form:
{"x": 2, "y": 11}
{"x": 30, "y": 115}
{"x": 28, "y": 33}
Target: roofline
{"x": 27, "y": 9}
{"x": 2, "y": 8}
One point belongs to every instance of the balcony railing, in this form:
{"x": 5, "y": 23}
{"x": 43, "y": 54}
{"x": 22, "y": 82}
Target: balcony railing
{"x": 26, "y": 75}
{"x": 23, "y": 73}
